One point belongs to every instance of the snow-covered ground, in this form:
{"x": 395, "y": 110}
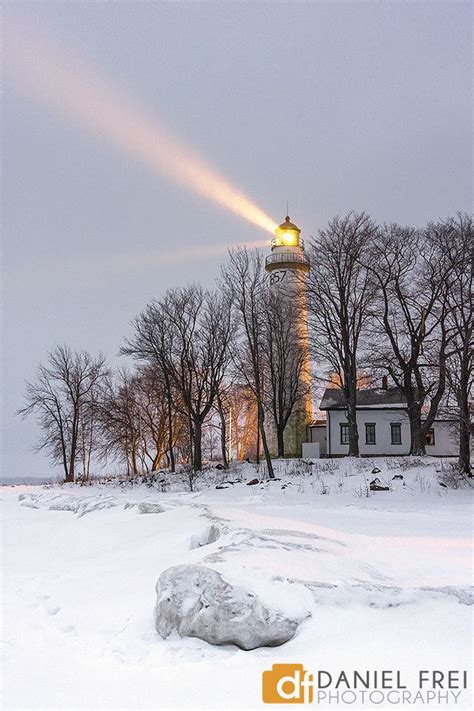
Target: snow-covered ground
{"x": 386, "y": 579}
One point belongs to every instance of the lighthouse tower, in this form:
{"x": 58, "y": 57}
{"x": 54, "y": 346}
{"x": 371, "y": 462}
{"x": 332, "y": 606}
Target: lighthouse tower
{"x": 288, "y": 266}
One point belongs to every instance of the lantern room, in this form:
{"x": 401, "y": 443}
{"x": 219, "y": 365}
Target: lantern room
{"x": 287, "y": 249}
{"x": 287, "y": 235}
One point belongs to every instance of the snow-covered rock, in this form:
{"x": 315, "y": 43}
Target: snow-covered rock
{"x": 196, "y": 601}
{"x": 147, "y": 507}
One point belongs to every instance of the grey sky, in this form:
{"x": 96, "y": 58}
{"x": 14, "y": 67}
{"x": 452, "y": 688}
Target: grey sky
{"x": 333, "y": 106}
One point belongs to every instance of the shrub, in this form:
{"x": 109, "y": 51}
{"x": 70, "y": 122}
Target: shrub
{"x": 452, "y": 477}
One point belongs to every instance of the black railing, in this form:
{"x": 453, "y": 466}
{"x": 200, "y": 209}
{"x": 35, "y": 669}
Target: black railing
{"x": 283, "y": 257}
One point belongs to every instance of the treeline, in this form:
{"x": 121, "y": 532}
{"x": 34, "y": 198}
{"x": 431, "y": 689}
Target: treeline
{"x": 220, "y": 370}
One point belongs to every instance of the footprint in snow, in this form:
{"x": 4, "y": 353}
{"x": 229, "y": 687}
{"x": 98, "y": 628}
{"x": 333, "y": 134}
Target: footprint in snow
{"x": 69, "y": 629}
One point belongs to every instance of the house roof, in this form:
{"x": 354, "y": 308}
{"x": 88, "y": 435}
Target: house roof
{"x": 333, "y": 398}
{"x": 318, "y": 423}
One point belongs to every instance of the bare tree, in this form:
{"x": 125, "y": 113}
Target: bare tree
{"x": 153, "y": 406}
{"x": 187, "y": 334}
{"x": 453, "y": 239}
{"x": 88, "y": 430}
{"x": 244, "y": 281}
{"x": 340, "y": 290}
{"x": 201, "y": 322}
{"x": 63, "y": 399}
{"x": 120, "y": 421}
{"x": 410, "y": 334}
{"x": 152, "y": 344}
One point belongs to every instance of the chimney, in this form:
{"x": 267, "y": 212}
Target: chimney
{"x": 384, "y": 382}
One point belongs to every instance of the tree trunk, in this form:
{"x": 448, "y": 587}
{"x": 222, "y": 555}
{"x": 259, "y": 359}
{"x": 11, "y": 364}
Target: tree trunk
{"x": 464, "y": 460}
{"x": 72, "y": 455}
{"x": 156, "y": 461}
{"x": 64, "y": 457}
{"x": 91, "y": 444}
{"x": 280, "y": 442}
{"x": 257, "y": 458}
{"x": 72, "y": 462}
{"x": 197, "y": 459}
{"x": 220, "y": 409}
{"x": 268, "y": 458}
{"x": 225, "y": 461}
{"x": 352, "y": 421}
{"x": 133, "y": 461}
{"x": 464, "y": 447}
{"x": 170, "y": 431}
{"x": 417, "y": 438}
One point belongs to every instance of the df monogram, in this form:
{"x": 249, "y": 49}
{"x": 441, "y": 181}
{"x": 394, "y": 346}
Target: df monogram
{"x": 287, "y": 684}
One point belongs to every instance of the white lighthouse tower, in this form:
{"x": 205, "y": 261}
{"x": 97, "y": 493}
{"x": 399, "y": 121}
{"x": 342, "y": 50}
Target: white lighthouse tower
{"x": 288, "y": 266}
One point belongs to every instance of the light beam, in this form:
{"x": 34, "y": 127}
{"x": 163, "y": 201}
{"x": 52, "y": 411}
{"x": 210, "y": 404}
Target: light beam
{"x": 76, "y": 92}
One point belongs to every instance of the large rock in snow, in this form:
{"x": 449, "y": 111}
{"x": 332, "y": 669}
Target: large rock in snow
{"x": 197, "y": 602}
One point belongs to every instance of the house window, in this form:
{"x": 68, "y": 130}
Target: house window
{"x": 396, "y": 429}
{"x": 430, "y": 438}
{"x": 370, "y": 432}
{"x": 344, "y": 433}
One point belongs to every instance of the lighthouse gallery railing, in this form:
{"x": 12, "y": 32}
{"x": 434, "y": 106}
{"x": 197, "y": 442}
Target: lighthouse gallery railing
{"x": 285, "y": 257}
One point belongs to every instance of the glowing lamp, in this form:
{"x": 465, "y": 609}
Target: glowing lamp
{"x": 289, "y": 238}
{"x": 287, "y": 234}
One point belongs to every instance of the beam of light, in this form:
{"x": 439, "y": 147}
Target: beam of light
{"x": 76, "y": 92}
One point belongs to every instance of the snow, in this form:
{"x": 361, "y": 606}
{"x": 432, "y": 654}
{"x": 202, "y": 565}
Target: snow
{"x": 386, "y": 580}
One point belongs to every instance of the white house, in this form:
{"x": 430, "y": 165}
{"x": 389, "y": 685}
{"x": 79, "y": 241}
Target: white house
{"x": 383, "y": 425}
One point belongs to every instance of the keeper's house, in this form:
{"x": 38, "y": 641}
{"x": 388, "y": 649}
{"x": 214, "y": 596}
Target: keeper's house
{"x": 383, "y": 425}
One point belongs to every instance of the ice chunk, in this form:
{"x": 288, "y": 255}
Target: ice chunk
{"x": 147, "y": 507}
{"x": 196, "y": 601}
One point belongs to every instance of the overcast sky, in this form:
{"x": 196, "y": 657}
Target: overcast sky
{"x": 331, "y": 106}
